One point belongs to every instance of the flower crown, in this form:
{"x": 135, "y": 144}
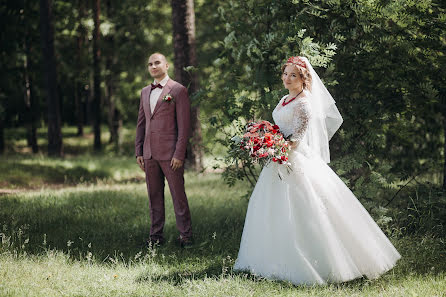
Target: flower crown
{"x": 297, "y": 61}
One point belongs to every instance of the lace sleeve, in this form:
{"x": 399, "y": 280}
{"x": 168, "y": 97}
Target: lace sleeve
{"x": 301, "y": 119}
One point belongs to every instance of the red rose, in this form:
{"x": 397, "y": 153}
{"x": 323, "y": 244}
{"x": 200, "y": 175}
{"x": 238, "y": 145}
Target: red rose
{"x": 274, "y": 159}
{"x": 269, "y": 143}
{"x": 275, "y": 127}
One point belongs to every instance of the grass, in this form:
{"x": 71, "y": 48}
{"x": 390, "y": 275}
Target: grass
{"x": 15, "y": 141}
{"x": 76, "y": 227}
{"x": 31, "y": 172}
{"x": 88, "y": 241}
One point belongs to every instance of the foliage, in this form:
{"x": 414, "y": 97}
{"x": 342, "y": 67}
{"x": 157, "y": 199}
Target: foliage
{"x": 422, "y": 211}
{"x": 380, "y": 60}
{"x": 247, "y": 77}
{"x": 127, "y": 38}
{"x": 389, "y": 86}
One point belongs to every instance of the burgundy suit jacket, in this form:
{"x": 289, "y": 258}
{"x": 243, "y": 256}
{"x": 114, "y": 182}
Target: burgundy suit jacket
{"x": 165, "y": 133}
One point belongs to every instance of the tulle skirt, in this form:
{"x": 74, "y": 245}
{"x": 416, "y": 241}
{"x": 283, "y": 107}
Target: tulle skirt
{"x": 307, "y": 227}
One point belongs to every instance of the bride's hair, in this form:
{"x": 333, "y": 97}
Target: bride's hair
{"x": 304, "y": 74}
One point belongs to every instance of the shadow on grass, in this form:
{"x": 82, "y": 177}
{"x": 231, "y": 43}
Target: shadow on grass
{"x": 73, "y": 144}
{"x": 29, "y": 175}
{"x": 113, "y": 224}
{"x": 108, "y": 223}
{"x": 177, "y": 277}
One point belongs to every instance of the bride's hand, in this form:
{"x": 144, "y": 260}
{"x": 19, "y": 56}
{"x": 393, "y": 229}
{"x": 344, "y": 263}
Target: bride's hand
{"x": 293, "y": 144}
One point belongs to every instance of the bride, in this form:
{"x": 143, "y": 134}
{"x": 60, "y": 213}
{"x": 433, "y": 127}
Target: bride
{"x": 307, "y": 227}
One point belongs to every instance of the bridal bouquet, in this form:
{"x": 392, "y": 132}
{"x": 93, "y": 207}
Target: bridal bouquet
{"x": 264, "y": 143}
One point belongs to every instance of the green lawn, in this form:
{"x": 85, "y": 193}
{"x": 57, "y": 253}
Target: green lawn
{"x": 87, "y": 240}
{"x": 76, "y": 226}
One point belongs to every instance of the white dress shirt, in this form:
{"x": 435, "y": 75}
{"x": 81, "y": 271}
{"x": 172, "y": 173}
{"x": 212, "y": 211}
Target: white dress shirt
{"x": 155, "y": 93}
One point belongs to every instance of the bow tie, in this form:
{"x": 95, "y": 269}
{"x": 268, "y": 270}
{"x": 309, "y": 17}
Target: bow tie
{"x": 153, "y": 86}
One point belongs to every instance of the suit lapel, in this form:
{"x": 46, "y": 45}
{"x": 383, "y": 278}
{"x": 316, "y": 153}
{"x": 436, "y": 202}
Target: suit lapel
{"x": 148, "y": 101}
{"x": 165, "y": 91}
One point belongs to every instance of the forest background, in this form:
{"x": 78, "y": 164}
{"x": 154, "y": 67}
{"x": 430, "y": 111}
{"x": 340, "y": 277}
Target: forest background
{"x": 72, "y": 72}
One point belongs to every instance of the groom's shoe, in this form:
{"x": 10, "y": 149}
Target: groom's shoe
{"x": 185, "y": 242}
{"x": 153, "y": 242}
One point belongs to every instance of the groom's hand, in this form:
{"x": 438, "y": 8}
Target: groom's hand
{"x": 140, "y": 161}
{"x": 176, "y": 164}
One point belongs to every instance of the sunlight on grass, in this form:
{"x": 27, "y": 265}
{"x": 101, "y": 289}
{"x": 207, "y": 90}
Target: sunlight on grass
{"x": 35, "y": 172}
{"x": 77, "y": 226}
{"x": 88, "y": 240}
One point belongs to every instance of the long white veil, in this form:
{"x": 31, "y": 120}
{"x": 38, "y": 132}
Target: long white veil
{"x": 325, "y": 117}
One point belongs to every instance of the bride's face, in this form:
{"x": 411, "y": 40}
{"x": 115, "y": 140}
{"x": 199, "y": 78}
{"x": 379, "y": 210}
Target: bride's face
{"x": 291, "y": 78}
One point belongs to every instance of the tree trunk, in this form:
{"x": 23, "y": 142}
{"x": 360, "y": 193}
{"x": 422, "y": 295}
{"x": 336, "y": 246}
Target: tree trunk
{"x": 109, "y": 93}
{"x": 78, "y": 106}
{"x": 108, "y": 96}
{"x": 54, "y": 116}
{"x": 112, "y": 111}
{"x": 2, "y": 135}
{"x": 116, "y": 128}
{"x": 443, "y": 99}
{"x": 183, "y": 21}
{"x": 96, "y": 77}
{"x": 79, "y": 86}
{"x": 30, "y": 99}
{"x": 114, "y": 116}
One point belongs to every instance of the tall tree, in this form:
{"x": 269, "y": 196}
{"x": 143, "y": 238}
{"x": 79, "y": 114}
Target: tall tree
{"x": 96, "y": 76}
{"x": 2, "y": 134}
{"x": 79, "y": 85}
{"x": 113, "y": 115}
{"x": 30, "y": 99}
{"x": 53, "y": 104}
{"x": 443, "y": 100}
{"x": 31, "y": 104}
{"x": 183, "y": 21}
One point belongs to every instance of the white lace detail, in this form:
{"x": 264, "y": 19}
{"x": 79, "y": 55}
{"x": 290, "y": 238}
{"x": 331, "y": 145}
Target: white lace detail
{"x": 293, "y": 118}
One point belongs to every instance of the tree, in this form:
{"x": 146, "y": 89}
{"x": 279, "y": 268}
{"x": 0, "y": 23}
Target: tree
{"x": 31, "y": 104}
{"x": 183, "y": 20}
{"x": 2, "y": 133}
{"x": 53, "y": 104}
{"x": 245, "y": 79}
{"x": 79, "y": 92}
{"x": 30, "y": 99}
{"x": 96, "y": 77}
{"x": 443, "y": 99}
{"x": 386, "y": 77}
{"x": 114, "y": 115}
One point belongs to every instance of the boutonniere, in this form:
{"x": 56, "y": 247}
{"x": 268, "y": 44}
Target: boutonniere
{"x": 168, "y": 98}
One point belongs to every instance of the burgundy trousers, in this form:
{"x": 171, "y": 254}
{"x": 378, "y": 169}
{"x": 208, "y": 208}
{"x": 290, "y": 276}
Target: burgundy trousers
{"x": 156, "y": 170}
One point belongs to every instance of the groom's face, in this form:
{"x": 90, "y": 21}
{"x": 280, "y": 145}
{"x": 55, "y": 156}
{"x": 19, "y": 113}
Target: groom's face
{"x": 158, "y": 66}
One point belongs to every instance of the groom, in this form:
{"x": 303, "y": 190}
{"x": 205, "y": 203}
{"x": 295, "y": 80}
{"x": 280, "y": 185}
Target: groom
{"x": 162, "y": 133}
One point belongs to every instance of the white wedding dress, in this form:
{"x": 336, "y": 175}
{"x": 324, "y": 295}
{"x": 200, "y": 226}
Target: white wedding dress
{"x": 307, "y": 227}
